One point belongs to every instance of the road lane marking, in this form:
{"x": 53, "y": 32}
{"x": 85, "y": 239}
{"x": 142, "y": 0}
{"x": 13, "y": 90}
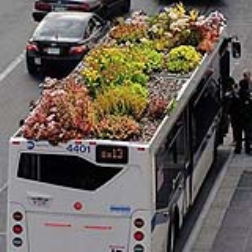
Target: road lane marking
{"x": 12, "y": 66}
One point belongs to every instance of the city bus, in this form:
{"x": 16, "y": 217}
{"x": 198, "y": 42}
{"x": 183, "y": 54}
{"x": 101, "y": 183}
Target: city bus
{"x": 119, "y": 196}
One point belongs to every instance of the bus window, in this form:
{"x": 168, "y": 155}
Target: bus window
{"x": 171, "y": 159}
{"x": 206, "y": 107}
{"x": 67, "y": 171}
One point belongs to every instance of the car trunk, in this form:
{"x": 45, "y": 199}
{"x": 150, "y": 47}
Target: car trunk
{"x": 69, "y": 4}
{"x": 59, "y": 50}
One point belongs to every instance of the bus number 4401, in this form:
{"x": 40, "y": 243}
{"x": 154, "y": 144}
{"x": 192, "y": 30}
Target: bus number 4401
{"x": 78, "y": 148}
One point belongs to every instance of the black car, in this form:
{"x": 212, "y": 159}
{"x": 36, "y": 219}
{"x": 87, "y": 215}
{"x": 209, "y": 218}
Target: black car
{"x": 104, "y": 8}
{"x": 62, "y": 39}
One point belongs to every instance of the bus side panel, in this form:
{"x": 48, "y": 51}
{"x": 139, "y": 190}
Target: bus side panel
{"x": 203, "y": 165}
{"x": 160, "y": 225}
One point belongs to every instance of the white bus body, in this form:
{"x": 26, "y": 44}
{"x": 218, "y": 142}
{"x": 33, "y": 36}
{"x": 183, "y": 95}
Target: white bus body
{"x": 112, "y": 196}
{"x": 80, "y": 205}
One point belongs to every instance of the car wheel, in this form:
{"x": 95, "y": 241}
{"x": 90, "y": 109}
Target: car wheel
{"x": 31, "y": 67}
{"x": 126, "y": 6}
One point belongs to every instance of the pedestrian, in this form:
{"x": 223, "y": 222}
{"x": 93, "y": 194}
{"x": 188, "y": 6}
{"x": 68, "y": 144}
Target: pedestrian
{"x": 244, "y": 115}
{"x": 246, "y": 79}
{"x": 231, "y": 106}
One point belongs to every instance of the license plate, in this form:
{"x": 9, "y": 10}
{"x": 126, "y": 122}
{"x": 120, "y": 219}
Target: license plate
{"x": 53, "y": 51}
{"x": 37, "y": 61}
{"x": 59, "y": 8}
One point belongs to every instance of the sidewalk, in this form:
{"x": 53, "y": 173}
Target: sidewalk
{"x": 225, "y": 224}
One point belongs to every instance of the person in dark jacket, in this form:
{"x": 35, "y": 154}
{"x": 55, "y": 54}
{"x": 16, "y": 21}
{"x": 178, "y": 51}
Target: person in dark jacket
{"x": 231, "y": 106}
{"x": 246, "y": 80}
{"x": 244, "y": 117}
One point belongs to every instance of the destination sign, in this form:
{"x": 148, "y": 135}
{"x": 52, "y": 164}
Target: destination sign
{"x": 112, "y": 154}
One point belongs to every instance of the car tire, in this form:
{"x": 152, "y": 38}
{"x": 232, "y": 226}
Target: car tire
{"x": 31, "y": 67}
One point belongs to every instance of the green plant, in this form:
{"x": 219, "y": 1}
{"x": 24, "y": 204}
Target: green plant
{"x": 128, "y": 100}
{"x": 116, "y": 127}
{"x": 183, "y": 59}
{"x": 128, "y": 32}
{"x": 120, "y": 85}
{"x": 105, "y": 66}
{"x": 113, "y": 66}
{"x": 138, "y": 89}
{"x": 146, "y": 51}
{"x": 64, "y": 112}
{"x": 171, "y": 106}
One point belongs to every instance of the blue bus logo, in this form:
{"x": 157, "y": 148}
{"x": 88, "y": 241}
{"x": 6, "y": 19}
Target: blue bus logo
{"x": 30, "y": 145}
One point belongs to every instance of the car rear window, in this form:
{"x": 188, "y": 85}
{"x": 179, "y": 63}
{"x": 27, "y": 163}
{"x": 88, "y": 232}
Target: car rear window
{"x": 53, "y": 1}
{"x": 66, "y": 171}
{"x": 61, "y": 27}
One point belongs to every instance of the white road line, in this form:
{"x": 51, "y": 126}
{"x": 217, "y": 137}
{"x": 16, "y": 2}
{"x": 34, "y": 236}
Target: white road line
{"x": 12, "y": 66}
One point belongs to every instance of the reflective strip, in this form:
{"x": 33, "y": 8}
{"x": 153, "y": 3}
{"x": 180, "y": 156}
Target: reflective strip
{"x": 99, "y": 227}
{"x": 50, "y": 224}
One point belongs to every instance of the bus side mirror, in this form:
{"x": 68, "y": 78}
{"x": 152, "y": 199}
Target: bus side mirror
{"x": 236, "y": 48}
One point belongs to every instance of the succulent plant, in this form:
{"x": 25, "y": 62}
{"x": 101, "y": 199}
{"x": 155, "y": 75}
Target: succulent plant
{"x": 112, "y": 66}
{"x": 114, "y": 93}
{"x": 183, "y": 59}
{"x": 124, "y": 100}
{"x": 157, "y": 107}
{"x": 116, "y": 127}
{"x": 128, "y": 32}
{"x": 64, "y": 112}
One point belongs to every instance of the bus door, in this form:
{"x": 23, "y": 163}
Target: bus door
{"x": 205, "y": 124}
{"x": 172, "y": 196}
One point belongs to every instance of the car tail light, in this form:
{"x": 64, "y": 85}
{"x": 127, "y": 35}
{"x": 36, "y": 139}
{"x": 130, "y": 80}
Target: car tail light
{"x": 31, "y": 47}
{"x": 138, "y": 236}
{"x": 42, "y": 6}
{"x": 79, "y": 7}
{"x": 78, "y": 49}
